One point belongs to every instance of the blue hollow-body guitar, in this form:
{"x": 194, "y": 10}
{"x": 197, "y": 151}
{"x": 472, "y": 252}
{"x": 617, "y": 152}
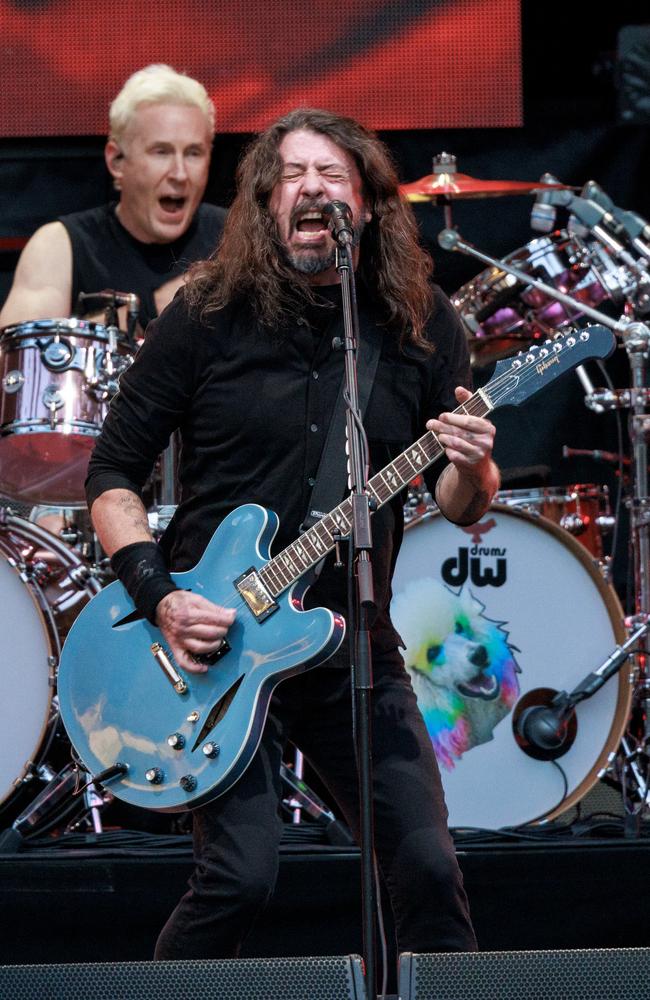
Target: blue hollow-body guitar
{"x": 170, "y": 740}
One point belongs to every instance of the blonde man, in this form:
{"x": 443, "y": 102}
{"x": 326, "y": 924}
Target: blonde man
{"x": 158, "y": 154}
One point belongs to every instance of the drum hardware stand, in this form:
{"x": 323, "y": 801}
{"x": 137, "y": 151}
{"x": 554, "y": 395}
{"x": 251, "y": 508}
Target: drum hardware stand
{"x": 298, "y": 771}
{"x": 60, "y": 787}
{"x": 450, "y": 239}
{"x": 633, "y": 759}
{"x": 301, "y": 798}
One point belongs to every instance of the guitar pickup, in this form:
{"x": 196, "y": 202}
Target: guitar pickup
{"x": 168, "y": 668}
{"x": 255, "y": 594}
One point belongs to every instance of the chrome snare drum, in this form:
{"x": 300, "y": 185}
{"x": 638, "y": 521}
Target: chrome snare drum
{"x": 57, "y": 378}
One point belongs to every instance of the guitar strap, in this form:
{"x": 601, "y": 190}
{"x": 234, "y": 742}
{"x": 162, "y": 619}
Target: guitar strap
{"x": 332, "y": 474}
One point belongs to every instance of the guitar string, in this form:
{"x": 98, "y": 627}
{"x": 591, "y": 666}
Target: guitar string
{"x": 472, "y": 407}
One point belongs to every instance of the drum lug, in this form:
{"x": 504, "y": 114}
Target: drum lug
{"x": 58, "y": 354}
{"x": 53, "y": 400}
{"x": 13, "y": 381}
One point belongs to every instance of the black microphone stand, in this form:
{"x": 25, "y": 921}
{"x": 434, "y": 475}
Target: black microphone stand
{"x": 363, "y": 599}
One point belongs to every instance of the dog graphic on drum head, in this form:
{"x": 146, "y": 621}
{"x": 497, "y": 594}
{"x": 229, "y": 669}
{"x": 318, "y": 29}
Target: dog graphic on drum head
{"x": 461, "y": 665}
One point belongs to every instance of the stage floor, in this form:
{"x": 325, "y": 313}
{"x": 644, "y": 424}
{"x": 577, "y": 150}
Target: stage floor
{"x": 91, "y": 898}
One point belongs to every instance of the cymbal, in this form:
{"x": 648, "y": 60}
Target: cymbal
{"x": 455, "y": 185}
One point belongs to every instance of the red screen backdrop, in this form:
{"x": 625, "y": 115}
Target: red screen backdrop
{"x": 393, "y": 64}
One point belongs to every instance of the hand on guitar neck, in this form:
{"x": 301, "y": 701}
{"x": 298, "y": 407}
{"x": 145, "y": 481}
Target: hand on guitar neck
{"x": 466, "y": 487}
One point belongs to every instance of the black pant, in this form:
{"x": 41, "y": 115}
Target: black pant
{"x": 236, "y": 837}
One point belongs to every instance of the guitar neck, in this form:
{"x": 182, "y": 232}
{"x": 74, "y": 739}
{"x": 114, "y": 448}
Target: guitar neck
{"x": 289, "y": 565}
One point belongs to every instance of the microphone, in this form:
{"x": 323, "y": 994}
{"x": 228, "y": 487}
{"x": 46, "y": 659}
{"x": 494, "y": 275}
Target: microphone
{"x": 544, "y": 724}
{"x": 338, "y": 216}
{"x": 449, "y": 239}
{"x": 591, "y": 398}
{"x": 543, "y": 212}
{"x": 595, "y": 215}
{"x": 108, "y": 295}
{"x": 544, "y": 721}
{"x": 111, "y": 299}
{"x": 633, "y": 225}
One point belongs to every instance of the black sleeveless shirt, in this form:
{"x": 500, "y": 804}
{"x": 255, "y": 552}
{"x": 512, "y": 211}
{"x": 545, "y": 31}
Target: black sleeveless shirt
{"x": 105, "y": 255}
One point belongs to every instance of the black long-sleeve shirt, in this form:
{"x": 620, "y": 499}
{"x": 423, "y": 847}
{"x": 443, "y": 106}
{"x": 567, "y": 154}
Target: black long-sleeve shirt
{"x": 253, "y": 410}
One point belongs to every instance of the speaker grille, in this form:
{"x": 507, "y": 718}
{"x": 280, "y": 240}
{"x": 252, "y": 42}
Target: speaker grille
{"x": 338, "y": 978}
{"x": 605, "y": 974}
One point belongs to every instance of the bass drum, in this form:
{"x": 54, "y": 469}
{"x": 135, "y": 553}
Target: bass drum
{"x": 43, "y": 586}
{"x": 493, "y": 615}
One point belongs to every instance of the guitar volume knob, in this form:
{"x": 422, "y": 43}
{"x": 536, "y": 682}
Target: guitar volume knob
{"x": 188, "y": 782}
{"x": 154, "y": 775}
{"x": 176, "y": 741}
{"x": 211, "y": 750}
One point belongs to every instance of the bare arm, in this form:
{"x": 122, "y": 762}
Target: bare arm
{"x": 42, "y": 285}
{"x": 119, "y": 518}
{"x": 189, "y": 622}
{"x": 467, "y": 486}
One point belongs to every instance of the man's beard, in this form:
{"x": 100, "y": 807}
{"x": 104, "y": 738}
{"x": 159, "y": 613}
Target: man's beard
{"x": 311, "y": 261}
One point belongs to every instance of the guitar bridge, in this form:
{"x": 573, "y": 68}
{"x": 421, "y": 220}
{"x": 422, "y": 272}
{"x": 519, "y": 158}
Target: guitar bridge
{"x": 255, "y": 594}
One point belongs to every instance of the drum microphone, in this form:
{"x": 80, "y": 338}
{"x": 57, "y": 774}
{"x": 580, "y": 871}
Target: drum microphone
{"x": 544, "y": 724}
{"x": 107, "y": 295}
{"x": 338, "y": 216}
{"x": 591, "y": 396}
{"x": 544, "y": 721}
{"x": 112, "y": 299}
{"x": 633, "y": 225}
{"x": 543, "y": 212}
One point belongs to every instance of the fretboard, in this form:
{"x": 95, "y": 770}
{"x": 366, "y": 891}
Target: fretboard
{"x": 289, "y": 565}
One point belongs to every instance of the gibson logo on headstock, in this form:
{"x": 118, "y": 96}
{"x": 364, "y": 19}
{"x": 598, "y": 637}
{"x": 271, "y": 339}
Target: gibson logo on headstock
{"x": 543, "y": 365}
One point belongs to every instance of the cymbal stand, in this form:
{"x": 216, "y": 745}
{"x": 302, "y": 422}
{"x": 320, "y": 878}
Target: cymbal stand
{"x": 631, "y": 764}
{"x": 633, "y": 761}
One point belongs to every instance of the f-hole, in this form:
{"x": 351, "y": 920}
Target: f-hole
{"x": 218, "y": 711}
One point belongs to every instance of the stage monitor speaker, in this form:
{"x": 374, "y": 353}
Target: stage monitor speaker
{"x": 589, "y": 974}
{"x": 337, "y": 978}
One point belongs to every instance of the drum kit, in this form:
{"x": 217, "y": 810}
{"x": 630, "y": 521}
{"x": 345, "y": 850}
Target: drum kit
{"x": 57, "y": 377}
{"x": 536, "y": 674}
{"x": 535, "y": 683}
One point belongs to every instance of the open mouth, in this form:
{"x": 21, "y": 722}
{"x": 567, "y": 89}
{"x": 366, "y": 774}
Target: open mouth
{"x": 310, "y": 224}
{"x": 171, "y": 205}
{"x": 480, "y": 686}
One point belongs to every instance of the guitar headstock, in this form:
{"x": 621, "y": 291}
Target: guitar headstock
{"x": 516, "y": 379}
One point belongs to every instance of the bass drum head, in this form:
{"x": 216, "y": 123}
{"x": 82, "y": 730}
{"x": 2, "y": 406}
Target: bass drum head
{"x": 29, "y": 655}
{"x": 491, "y": 614}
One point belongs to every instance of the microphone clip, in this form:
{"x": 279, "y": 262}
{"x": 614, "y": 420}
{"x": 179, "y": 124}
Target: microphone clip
{"x": 338, "y": 216}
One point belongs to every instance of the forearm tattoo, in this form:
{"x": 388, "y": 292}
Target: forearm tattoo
{"x": 133, "y": 508}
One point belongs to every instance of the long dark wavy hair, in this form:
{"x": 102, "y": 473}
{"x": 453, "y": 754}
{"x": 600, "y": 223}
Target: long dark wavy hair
{"x": 250, "y": 262}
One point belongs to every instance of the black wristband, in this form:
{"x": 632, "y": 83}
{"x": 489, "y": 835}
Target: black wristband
{"x": 141, "y": 567}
